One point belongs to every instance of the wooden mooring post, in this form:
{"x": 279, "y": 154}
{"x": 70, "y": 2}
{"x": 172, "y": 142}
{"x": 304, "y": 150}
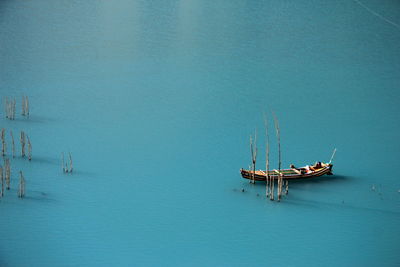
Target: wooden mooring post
{"x": 253, "y": 151}
{"x": 2, "y": 182}
{"x": 22, "y": 139}
{"x": 287, "y": 187}
{"x": 3, "y": 142}
{"x": 7, "y": 168}
{"x": 29, "y": 148}
{"x": 25, "y": 106}
{"x": 71, "y": 168}
{"x": 280, "y": 175}
{"x": 21, "y": 187}
{"x": 267, "y": 176}
{"x": 12, "y": 144}
{"x": 5, "y": 104}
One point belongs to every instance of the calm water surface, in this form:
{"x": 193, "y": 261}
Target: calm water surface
{"x": 156, "y": 101}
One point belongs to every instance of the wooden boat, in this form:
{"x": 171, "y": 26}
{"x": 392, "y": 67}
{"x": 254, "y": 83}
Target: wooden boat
{"x": 293, "y": 173}
{"x": 316, "y": 170}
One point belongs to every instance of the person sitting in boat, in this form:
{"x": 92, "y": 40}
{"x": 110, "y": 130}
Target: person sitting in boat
{"x": 318, "y": 165}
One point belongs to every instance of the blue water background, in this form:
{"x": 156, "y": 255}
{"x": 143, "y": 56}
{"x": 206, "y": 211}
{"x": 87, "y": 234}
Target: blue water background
{"x": 156, "y": 101}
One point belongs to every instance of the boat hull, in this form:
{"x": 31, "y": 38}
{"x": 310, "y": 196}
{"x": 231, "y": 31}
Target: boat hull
{"x": 288, "y": 174}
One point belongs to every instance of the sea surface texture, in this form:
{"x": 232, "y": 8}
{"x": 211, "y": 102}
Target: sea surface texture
{"x": 156, "y": 101}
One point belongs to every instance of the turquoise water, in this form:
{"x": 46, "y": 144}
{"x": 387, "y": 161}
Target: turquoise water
{"x": 156, "y": 101}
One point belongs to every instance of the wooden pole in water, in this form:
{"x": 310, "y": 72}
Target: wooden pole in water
{"x": 3, "y": 142}
{"x": 11, "y": 115}
{"x": 23, "y": 105}
{"x": 9, "y": 109}
{"x": 22, "y": 144}
{"x": 4, "y": 105}
{"x": 27, "y": 106}
{"x": 12, "y": 144}
{"x": 266, "y": 157}
{"x": 21, "y": 189}
{"x": 271, "y": 177}
{"x": 29, "y": 149}
{"x": 287, "y": 187}
{"x": 272, "y": 187}
{"x": 280, "y": 176}
{"x": 266, "y": 170}
{"x": 10, "y": 105}
{"x": 15, "y": 104}
{"x": 252, "y": 163}
{"x": 66, "y": 167}
{"x": 2, "y": 182}
{"x": 23, "y": 186}
{"x": 251, "y": 153}
{"x": 7, "y": 173}
{"x": 277, "y": 187}
{"x": 255, "y": 156}
{"x": 71, "y": 168}
{"x": 278, "y": 136}
{"x": 253, "y": 150}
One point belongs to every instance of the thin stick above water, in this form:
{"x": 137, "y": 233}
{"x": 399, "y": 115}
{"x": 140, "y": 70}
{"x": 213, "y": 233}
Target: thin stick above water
{"x": 21, "y": 188}
{"x": 253, "y": 150}
{"x": 27, "y": 106}
{"x": 7, "y": 173}
{"x": 267, "y": 187}
{"x": 71, "y": 168}
{"x": 29, "y": 148}
{"x": 278, "y": 136}
{"x": 2, "y": 182}
{"x": 23, "y": 105}
{"x": 22, "y": 139}
{"x": 13, "y": 144}
{"x": 3, "y": 142}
